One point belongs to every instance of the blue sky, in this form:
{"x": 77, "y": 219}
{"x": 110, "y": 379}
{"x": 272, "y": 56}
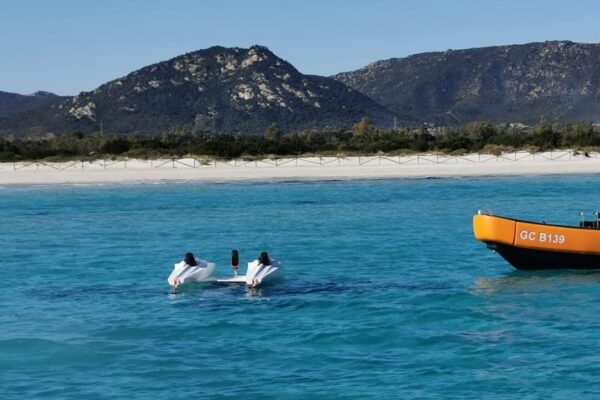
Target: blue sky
{"x": 68, "y": 46}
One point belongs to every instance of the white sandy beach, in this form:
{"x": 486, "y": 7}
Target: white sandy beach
{"x": 316, "y": 168}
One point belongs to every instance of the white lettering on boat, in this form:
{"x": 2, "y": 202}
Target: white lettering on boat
{"x": 542, "y": 237}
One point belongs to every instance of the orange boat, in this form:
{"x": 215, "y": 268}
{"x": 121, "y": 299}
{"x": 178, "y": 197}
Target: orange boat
{"x": 532, "y": 245}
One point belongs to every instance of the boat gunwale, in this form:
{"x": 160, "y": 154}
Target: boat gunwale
{"x": 542, "y": 223}
{"x": 521, "y": 246}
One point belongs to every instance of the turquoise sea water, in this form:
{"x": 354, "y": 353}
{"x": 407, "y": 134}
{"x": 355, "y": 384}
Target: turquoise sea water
{"x": 387, "y": 293}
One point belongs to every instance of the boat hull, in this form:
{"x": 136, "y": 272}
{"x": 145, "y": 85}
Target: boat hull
{"x": 535, "y": 246}
{"x": 257, "y": 274}
{"x": 184, "y": 274}
{"x": 531, "y": 259}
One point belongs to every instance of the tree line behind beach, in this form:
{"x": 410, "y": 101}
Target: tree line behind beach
{"x": 364, "y": 138}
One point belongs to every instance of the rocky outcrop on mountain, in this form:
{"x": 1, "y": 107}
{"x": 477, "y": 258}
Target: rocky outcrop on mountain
{"x": 559, "y": 80}
{"x": 219, "y": 90}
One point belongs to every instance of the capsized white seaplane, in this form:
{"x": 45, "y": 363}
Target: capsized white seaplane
{"x": 261, "y": 271}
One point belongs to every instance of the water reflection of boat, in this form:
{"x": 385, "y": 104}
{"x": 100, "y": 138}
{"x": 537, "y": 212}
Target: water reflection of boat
{"x": 527, "y": 283}
{"x": 532, "y": 246}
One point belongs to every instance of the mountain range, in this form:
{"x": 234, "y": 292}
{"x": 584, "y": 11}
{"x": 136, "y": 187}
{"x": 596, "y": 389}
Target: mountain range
{"x": 218, "y": 90}
{"x": 243, "y": 91}
{"x": 559, "y": 80}
{"x": 12, "y": 103}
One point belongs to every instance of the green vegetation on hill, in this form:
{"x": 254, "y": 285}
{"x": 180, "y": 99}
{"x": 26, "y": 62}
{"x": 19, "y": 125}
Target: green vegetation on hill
{"x": 217, "y": 90}
{"x": 556, "y": 79}
{"x": 13, "y": 103}
{"x": 363, "y": 139}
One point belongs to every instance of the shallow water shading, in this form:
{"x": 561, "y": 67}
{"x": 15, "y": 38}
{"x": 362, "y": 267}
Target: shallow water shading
{"x": 387, "y": 293}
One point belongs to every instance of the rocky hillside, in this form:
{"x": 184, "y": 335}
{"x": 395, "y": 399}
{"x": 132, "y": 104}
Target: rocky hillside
{"x": 219, "y": 89}
{"x": 520, "y": 83}
{"x": 12, "y": 103}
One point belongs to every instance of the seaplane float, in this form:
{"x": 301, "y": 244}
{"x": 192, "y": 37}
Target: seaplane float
{"x": 530, "y": 245}
{"x": 259, "y": 272}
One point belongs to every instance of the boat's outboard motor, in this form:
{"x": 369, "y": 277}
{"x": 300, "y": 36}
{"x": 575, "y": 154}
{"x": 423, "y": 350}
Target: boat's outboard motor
{"x": 235, "y": 261}
{"x": 264, "y": 258}
{"x": 190, "y": 259}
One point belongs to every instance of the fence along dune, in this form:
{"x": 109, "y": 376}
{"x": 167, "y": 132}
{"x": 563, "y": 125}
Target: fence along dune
{"x": 356, "y": 167}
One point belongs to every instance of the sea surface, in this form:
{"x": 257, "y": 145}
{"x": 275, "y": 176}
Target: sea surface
{"x": 387, "y": 293}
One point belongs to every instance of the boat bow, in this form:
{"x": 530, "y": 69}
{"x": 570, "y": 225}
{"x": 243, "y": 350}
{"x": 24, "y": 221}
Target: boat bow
{"x": 531, "y": 245}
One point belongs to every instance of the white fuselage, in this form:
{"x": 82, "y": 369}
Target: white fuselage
{"x": 257, "y": 274}
{"x": 183, "y": 273}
